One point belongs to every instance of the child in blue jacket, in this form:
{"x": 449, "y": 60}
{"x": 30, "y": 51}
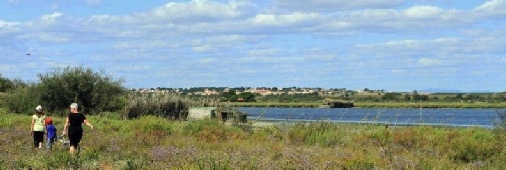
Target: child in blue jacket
{"x": 51, "y": 133}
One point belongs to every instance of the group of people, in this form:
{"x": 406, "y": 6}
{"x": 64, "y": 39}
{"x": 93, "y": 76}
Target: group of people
{"x": 44, "y": 125}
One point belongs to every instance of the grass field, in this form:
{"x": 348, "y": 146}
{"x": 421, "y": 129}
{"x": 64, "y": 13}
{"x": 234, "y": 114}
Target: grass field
{"x": 155, "y": 143}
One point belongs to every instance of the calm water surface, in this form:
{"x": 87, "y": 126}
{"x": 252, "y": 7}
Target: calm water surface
{"x": 392, "y": 116}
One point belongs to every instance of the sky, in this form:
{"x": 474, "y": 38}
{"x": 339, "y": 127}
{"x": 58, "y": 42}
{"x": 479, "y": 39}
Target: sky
{"x": 393, "y": 45}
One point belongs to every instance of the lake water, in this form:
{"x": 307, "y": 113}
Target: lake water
{"x": 392, "y": 116}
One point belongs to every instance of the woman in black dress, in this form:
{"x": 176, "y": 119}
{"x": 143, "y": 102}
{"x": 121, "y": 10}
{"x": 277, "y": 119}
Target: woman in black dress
{"x": 73, "y": 125}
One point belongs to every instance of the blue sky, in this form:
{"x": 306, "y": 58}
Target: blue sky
{"x": 394, "y": 45}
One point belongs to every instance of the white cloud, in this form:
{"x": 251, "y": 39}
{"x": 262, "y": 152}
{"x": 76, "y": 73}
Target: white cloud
{"x": 423, "y": 12}
{"x": 4, "y": 24}
{"x": 332, "y": 5}
{"x": 208, "y": 61}
{"x": 199, "y": 11}
{"x": 398, "y": 71}
{"x": 429, "y": 62}
{"x": 155, "y": 44}
{"x": 9, "y": 28}
{"x": 202, "y": 48}
{"x": 492, "y": 8}
{"x": 46, "y": 21}
{"x": 263, "y": 52}
{"x": 227, "y": 39}
{"x": 52, "y": 37}
{"x": 492, "y": 5}
{"x": 320, "y": 57}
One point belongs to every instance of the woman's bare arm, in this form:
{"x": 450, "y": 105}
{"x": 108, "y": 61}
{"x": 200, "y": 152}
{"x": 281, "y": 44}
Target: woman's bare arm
{"x": 88, "y": 123}
{"x": 66, "y": 125}
{"x": 31, "y": 127}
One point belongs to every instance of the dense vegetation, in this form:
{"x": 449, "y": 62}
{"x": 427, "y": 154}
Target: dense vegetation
{"x": 95, "y": 92}
{"x": 155, "y": 143}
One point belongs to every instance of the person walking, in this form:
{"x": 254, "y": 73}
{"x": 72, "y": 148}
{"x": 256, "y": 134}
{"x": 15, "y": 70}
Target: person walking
{"x": 51, "y": 132}
{"x": 73, "y": 125}
{"x": 38, "y": 126}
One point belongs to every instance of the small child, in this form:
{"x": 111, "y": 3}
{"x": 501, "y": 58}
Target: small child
{"x": 51, "y": 133}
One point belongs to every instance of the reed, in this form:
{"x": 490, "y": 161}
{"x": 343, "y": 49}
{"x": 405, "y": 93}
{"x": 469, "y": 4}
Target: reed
{"x": 164, "y": 105}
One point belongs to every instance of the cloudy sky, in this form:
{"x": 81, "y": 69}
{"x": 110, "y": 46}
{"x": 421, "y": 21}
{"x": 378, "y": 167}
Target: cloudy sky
{"x": 395, "y": 45}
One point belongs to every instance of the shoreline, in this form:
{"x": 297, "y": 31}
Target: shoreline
{"x": 452, "y": 105}
{"x": 267, "y": 123}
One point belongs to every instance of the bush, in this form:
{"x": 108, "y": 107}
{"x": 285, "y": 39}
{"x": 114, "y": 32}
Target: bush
{"x": 474, "y": 146}
{"x": 7, "y": 84}
{"x": 200, "y": 125}
{"x": 22, "y": 100}
{"x": 94, "y": 92}
{"x": 321, "y": 133}
{"x": 172, "y": 107}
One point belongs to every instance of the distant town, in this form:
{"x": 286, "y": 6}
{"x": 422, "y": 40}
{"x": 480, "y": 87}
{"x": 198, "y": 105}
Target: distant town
{"x": 264, "y": 91}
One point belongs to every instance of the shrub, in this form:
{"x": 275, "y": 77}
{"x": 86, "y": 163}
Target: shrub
{"x": 5, "y": 84}
{"x": 269, "y": 133}
{"x": 173, "y": 107}
{"x": 474, "y": 146}
{"x": 322, "y": 133}
{"x": 93, "y": 91}
{"x": 22, "y": 100}
{"x": 149, "y": 123}
{"x": 200, "y": 125}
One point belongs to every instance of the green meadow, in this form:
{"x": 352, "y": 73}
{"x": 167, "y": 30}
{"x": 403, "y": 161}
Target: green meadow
{"x": 151, "y": 142}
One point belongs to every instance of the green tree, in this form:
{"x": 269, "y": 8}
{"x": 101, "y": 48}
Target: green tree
{"x": 22, "y": 99}
{"x": 419, "y": 97}
{"x": 459, "y": 96}
{"x": 95, "y": 92}
{"x": 230, "y": 95}
{"x": 247, "y": 97}
{"x": 390, "y": 96}
{"x": 407, "y": 97}
{"x": 5, "y": 84}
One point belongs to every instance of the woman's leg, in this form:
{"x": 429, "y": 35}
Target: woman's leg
{"x": 35, "y": 142}
{"x": 38, "y": 137}
{"x": 74, "y": 139}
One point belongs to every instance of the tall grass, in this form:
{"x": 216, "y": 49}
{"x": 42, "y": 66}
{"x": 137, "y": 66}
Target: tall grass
{"x": 163, "y": 105}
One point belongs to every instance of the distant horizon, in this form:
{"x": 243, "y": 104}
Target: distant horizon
{"x": 395, "y": 45}
{"x": 429, "y": 90}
